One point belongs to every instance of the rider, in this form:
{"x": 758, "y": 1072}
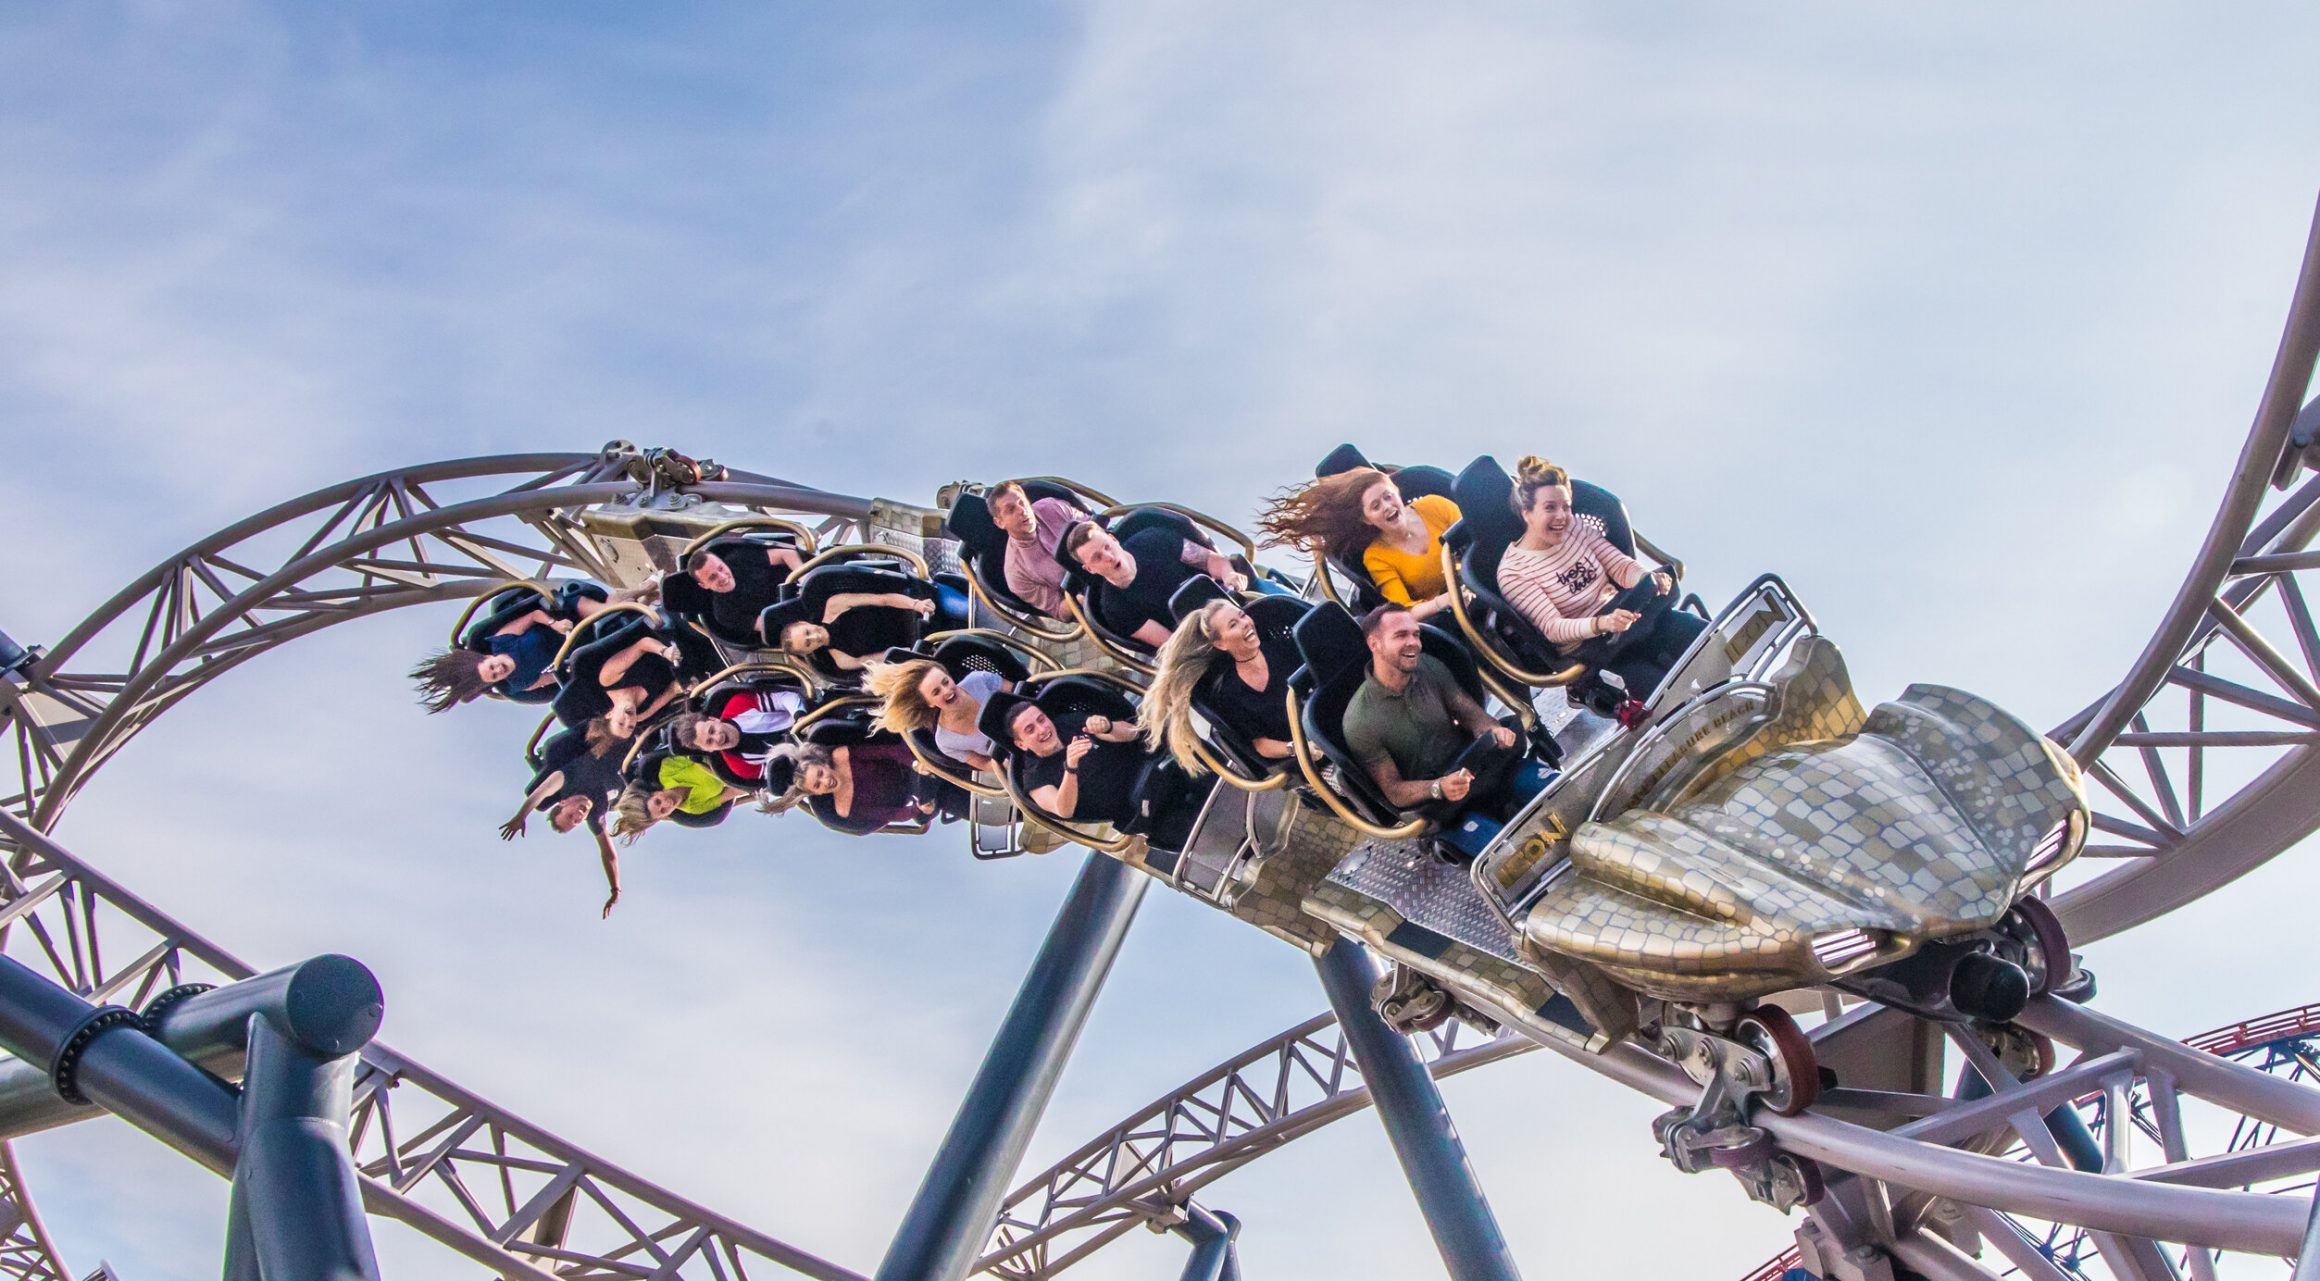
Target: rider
{"x": 920, "y": 694}
{"x": 1240, "y": 674}
{"x": 1423, "y": 739}
{"x": 1142, "y": 573}
{"x": 745, "y": 730}
{"x": 1034, "y": 528}
{"x": 1568, "y": 580}
{"x": 735, "y": 580}
{"x": 1083, "y": 769}
{"x": 1359, "y": 516}
{"x": 579, "y": 775}
{"x": 873, "y": 784}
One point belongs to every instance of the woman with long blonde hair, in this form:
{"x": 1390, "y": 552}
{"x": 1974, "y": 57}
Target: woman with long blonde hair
{"x": 1239, "y": 674}
{"x": 1358, "y": 517}
{"x": 919, "y": 694}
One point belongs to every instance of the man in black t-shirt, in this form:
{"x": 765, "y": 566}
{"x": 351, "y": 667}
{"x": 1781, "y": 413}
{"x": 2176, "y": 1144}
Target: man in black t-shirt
{"x": 1083, "y": 769}
{"x": 1141, "y": 573}
{"x": 730, "y": 584}
{"x": 574, "y": 785}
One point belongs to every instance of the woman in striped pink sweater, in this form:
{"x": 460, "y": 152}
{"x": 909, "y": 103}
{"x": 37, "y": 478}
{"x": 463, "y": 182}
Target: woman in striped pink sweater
{"x": 1563, "y": 573}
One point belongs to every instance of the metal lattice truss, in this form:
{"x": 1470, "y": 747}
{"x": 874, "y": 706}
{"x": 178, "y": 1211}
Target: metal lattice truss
{"x": 1146, "y": 1167}
{"x": 2278, "y": 1045}
{"x": 457, "y": 1167}
{"x": 2205, "y": 760}
{"x": 26, "y": 1253}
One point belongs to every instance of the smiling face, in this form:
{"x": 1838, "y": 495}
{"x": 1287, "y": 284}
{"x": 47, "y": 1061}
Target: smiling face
{"x": 621, "y": 720}
{"x": 663, "y": 803}
{"x": 1013, "y": 515}
{"x": 1396, "y": 643}
{"x": 1381, "y": 505}
{"x": 1233, "y": 630}
{"x": 716, "y": 736}
{"x": 818, "y": 778}
{"x": 713, "y": 574}
{"x": 1033, "y": 732}
{"x": 939, "y": 690}
{"x": 496, "y": 668}
{"x": 570, "y": 812}
{"x": 804, "y": 638}
{"x": 1549, "y": 515}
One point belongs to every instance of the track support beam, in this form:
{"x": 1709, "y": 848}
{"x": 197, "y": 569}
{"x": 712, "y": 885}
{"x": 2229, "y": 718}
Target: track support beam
{"x": 1418, "y": 1124}
{"x": 1211, "y": 1234}
{"x": 952, "y": 1214}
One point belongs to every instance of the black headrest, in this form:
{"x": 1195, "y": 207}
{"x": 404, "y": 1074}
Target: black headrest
{"x": 780, "y": 772}
{"x": 1066, "y": 557}
{"x": 709, "y": 819}
{"x": 963, "y": 655}
{"x": 1344, "y": 458}
{"x": 681, "y": 595}
{"x": 1420, "y": 480}
{"x": 1330, "y": 640}
{"x": 1485, "y": 497}
{"x": 970, "y": 522}
{"x": 1589, "y": 499}
{"x": 1194, "y": 593}
{"x": 1131, "y": 523}
{"x": 1277, "y": 613}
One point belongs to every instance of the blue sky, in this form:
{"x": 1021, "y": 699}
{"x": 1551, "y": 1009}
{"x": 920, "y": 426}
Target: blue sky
{"x": 1954, "y": 316}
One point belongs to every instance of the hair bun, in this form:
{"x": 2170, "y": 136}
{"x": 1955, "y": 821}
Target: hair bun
{"x": 1534, "y": 470}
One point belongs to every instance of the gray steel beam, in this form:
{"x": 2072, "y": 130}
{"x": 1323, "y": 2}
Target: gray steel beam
{"x": 331, "y": 1004}
{"x": 952, "y": 1214}
{"x": 1418, "y": 1125}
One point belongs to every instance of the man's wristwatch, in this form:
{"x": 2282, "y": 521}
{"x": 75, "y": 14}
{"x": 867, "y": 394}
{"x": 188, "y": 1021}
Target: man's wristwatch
{"x": 1435, "y": 789}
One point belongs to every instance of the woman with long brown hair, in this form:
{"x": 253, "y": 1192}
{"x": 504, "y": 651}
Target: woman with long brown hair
{"x": 1358, "y": 517}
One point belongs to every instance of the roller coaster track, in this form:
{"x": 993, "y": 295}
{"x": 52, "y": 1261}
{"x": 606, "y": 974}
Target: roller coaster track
{"x": 2205, "y": 761}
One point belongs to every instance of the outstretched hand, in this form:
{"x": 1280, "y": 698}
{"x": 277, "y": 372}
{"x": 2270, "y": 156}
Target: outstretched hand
{"x": 615, "y": 898}
{"x": 513, "y": 828}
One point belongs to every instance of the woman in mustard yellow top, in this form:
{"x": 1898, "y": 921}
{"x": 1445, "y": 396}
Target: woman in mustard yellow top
{"x": 1358, "y": 517}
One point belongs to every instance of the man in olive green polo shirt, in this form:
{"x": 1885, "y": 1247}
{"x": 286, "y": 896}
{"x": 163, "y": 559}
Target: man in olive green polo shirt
{"x": 1410, "y": 723}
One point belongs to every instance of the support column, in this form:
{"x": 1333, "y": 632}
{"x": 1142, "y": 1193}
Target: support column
{"x": 297, "y": 1203}
{"x": 1433, "y": 1159}
{"x": 1211, "y": 1234}
{"x": 950, "y": 1218}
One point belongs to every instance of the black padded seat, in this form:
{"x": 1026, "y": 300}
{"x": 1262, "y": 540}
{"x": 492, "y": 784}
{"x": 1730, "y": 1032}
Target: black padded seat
{"x": 1336, "y": 662}
{"x": 503, "y": 607}
{"x": 1487, "y": 526}
{"x": 804, "y": 600}
{"x": 689, "y": 601}
{"x": 1275, "y": 617}
{"x": 1415, "y": 481}
{"x": 983, "y": 545}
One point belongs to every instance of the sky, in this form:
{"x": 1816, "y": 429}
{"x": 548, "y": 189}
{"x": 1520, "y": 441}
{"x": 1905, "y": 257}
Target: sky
{"x": 1953, "y": 315}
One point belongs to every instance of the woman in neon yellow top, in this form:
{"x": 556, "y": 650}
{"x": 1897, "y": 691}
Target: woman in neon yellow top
{"x": 1359, "y": 516}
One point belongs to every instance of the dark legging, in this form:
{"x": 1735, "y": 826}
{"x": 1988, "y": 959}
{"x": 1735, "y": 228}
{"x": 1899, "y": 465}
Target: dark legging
{"x": 1651, "y": 650}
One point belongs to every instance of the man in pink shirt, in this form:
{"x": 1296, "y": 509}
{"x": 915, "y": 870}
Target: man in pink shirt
{"x": 1033, "y": 529}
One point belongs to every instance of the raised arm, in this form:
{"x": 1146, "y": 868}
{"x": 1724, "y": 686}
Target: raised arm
{"x": 548, "y": 787}
{"x": 617, "y": 666}
{"x": 611, "y": 861}
{"x": 525, "y": 622}
{"x": 844, "y": 601}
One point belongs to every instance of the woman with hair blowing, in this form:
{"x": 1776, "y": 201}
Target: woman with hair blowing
{"x": 920, "y": 694}
{"x": 1240, "y": 675}
{"x": 1359, "y": 516}
{"x": 1563, "y": 573}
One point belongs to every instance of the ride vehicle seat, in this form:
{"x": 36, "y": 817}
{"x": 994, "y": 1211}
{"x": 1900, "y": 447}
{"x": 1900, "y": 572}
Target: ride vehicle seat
{"x": 983, "y": 556}
{"x": 1163, "y": 802}
{"x": 1415, "y": 481}
{"x": 1488, "y": 525}
{"x": 1276, "y": 619}
{"x": 865, "y": 631}
{"x": 512, "y": 603}
{"x": 699, "y": 608}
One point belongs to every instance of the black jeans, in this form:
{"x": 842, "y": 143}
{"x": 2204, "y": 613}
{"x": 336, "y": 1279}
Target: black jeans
{"x": 1649, "y": 650}
{"x": 1491, "y": 765}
